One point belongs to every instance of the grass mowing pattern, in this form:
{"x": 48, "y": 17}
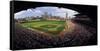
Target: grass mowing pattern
{"x": 48, "y": 26}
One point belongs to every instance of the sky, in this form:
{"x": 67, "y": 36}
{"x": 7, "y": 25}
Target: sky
{"x": 38, "y": 11}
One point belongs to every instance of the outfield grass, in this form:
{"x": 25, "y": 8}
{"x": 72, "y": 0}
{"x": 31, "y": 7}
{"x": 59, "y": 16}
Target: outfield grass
{"x": 48, "y": 26}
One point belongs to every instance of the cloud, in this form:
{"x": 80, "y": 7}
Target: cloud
{"x": 38, "y": 11}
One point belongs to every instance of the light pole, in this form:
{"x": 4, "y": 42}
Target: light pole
{"x": 66, "y": 22}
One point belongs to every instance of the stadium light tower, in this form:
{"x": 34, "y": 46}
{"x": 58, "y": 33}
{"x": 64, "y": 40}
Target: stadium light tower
{"x": 66, "y": 22}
